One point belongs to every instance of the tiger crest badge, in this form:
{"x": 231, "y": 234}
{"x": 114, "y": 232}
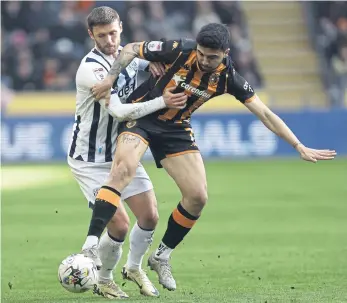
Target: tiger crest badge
{"x": 130, "y": 124}
{"x": 213, "y": 79}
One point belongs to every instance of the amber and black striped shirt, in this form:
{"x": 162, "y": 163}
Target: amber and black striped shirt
{"x": 182, "y": 70}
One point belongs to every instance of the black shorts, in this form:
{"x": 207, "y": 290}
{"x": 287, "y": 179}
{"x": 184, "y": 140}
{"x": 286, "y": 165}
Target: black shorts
{"x": 165, "y": 139}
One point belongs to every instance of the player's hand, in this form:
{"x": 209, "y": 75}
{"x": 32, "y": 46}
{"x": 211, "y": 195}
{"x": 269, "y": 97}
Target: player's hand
{"x": 314, "y": 155}
{"x": 102, "y": 89}
{"x": 177, "y": 100}
{"x": 107, "y": 98}
{"x": 157, "y": 69}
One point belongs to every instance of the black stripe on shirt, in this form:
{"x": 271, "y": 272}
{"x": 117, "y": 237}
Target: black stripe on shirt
{"x": 159, "y": 87}
{"x": 93, "y": 132}
{"x": 74, "y": 138}
{"x": 108, "y": 152}
{"x": 221, "y": 86}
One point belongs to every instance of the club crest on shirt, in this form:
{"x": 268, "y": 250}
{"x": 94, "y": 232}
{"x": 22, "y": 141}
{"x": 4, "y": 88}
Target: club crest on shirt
{"x": 130, "y": 124}
{"x": 99, "y": 73}
{"x": 213, "y": 79}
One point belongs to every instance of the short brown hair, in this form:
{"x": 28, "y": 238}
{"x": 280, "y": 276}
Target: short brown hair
{"x": 102, "y": 15}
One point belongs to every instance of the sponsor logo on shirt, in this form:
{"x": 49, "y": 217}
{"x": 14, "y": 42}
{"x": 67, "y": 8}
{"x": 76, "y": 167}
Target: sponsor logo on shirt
{"x": 179, "y": 80}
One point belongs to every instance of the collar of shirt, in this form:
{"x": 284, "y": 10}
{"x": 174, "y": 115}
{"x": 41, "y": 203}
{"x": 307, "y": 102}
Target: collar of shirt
{"x": 109, "y": 57}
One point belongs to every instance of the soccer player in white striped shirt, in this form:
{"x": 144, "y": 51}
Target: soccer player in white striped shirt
{"x": 93, "y": 144}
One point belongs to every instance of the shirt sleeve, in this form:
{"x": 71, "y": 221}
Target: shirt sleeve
{"x": 239, "y": 87}
{"x": 90, "y": 73}
{"x": 130, "y": 111}
{"x": 161, "y": 51}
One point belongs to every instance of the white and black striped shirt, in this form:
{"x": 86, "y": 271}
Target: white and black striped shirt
{"x": 95, "y": 130}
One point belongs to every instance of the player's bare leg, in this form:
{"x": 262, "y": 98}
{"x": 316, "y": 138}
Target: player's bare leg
{"x": 188, "y": 171}
{"x": 129, "y": 151}
{"x": 144, "y": 207}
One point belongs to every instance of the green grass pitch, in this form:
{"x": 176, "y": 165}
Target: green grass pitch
{"x": 273, "y": 231}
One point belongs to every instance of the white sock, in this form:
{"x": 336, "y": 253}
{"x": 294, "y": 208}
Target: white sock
{"x": 140, "y": 240}
{"x": 110, "y": 251}
{"x": 163, "y": 252}
{"x": 90, "y": 241}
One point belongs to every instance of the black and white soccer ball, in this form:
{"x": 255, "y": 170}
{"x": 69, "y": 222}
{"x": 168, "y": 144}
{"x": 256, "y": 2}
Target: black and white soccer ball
{"x": 77, "y": 273}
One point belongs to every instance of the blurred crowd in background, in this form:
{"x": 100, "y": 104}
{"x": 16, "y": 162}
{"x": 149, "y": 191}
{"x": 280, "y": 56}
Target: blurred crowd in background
{"x": 43, "y": 42}
{"x": 331, "y": 41}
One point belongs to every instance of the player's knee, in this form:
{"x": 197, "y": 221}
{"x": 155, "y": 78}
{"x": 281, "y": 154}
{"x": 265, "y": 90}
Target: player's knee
{"x": 198, "y": 196}
{"x": 149, "y": 219}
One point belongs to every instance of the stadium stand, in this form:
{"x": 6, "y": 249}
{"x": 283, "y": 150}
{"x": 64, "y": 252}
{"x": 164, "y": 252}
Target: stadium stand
{"x": 281, "y": 44}
{"x": 48, "y": 45}
{"x": 293, "y": 53}
{"x": 327, "y": 23}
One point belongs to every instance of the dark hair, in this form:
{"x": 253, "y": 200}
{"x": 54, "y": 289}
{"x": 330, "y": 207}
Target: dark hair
{"x": 101, "y": 16}
{"x": 215, "y": 36}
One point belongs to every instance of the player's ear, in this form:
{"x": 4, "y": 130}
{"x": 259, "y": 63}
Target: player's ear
{"x": 121, "y": 26}
{"x": 90, "y": 34}
{"x": 226, "y": 53}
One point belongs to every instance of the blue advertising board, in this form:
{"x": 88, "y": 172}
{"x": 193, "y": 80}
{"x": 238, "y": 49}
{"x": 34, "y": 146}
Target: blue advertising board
{"x": 37, "y": 139}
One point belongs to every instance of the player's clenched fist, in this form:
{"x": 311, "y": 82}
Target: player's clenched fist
{"x": 174, "y": 100}
{"x": 157, "y": 69}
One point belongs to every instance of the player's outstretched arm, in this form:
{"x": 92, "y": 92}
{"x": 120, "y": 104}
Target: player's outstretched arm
{"x": 277, "y": 125}
{"x": 128, "y": 53}
{"x": 133, "y": 111}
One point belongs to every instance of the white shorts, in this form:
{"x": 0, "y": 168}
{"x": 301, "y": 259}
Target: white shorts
{"x": 91, "y": 176}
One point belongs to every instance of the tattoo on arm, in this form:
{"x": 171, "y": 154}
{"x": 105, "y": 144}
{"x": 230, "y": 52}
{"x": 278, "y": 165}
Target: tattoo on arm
{"x": 136, "y": 48}
{"x": 128, "y": 53}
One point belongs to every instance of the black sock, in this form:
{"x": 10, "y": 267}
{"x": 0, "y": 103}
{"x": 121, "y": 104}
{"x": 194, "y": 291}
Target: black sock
{"x": 179, "y": 224}
{"x": 105, "y": 207}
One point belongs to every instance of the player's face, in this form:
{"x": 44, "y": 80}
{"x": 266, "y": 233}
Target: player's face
{"x": 107, "y": 37}
{"x": 209, "y": 59}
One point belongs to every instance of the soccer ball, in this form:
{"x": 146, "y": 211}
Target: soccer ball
{"x": 77, "y": 273}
